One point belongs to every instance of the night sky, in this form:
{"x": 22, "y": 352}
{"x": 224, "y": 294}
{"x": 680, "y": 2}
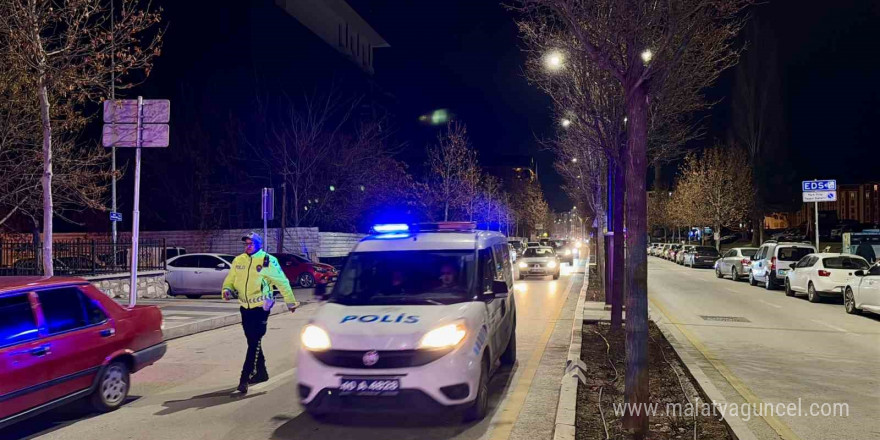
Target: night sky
{"x": 464, "y": 55}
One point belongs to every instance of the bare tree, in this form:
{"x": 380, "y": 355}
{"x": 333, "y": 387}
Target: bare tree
{"x": 756, "y": 117}
{"x": 643, "y": 46}
{"x": 68, "y": 50}
{"x": 705, "y": 186}
{"x": 453, "y": 171}
{"x": 83, "y": 179}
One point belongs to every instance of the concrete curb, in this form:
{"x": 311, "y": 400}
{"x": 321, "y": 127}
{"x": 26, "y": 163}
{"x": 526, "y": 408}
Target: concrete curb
{"x": 735, "y": 425}
{"x": 566, "y": 408}
{"x": 215, "y": 322}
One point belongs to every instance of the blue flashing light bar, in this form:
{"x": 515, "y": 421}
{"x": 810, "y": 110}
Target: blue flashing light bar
{"x": 390, "y": 228}
{"x": 392, "y": 236}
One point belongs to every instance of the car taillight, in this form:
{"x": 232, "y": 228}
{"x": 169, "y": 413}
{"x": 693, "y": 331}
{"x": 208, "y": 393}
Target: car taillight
{"x": 746, "y": 261}
{"x": 773, "y": 263}
{"x": 824, "y": 273}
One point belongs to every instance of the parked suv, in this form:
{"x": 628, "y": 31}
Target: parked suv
{"x": 773, "y": 261}
{"x": 61, "y": 340}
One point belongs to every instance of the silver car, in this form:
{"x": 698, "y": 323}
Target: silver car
{"x": 679, "y": 257}
{"x": 736, "y": 263}
{"x": 195, "y": 275}
{"x": 539, "y": 261}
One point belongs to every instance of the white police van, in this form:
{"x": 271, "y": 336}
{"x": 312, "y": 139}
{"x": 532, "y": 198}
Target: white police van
{"x": 419, "y": 320}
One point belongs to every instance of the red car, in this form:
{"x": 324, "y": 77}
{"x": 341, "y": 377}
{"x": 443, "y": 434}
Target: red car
{"x": 61, "y": 339}
{"x": 304, "y": 273}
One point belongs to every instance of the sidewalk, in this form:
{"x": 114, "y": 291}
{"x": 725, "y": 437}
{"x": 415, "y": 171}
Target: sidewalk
{"x": 184, "y": 317}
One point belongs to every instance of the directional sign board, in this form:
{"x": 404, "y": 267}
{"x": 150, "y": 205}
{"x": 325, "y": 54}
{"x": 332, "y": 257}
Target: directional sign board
{"x": 819, "y": 185}
{"x": 125, "y": 135}
{"x": 820, "y": 196}
{"x": 115, "y": 216}
{"x": 125, "y": 111}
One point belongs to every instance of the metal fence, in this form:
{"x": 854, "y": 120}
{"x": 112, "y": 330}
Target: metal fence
{"x": 80, "y": 257}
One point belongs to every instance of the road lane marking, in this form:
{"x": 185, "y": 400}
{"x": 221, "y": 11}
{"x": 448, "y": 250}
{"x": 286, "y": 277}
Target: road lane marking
{"x": 770, "y": 304}
{"x": 502, "y": 424}
{"x": 833, "y": 327}
{"x": 781, "y": 428}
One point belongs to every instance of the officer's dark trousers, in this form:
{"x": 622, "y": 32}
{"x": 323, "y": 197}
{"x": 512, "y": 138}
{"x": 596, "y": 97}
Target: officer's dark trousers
{"x": 254, "y": 323}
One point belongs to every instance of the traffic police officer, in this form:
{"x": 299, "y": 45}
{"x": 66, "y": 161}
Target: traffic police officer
{"x": 251, "y": 278}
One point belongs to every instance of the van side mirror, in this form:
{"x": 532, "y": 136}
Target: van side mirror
{"x": 859, "y": 273}
{"x": 792, "y": 265}
{"x": 499, "y": 287}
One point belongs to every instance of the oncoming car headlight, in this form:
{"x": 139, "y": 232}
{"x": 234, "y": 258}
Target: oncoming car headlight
{"x": 315, "y": 338}
{"x": 551, "y": 264}
{"x": 523, "y": 265}
{"x": 447, "y": 336}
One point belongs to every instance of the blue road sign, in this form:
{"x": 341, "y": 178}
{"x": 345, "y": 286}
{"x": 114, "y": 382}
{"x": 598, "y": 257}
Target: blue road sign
{"x": 819, "y": 185}
{"x": 115, "y": 216}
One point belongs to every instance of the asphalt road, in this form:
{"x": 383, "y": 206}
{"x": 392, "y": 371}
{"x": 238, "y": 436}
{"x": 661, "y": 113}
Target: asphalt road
{"x": 189, "y": 393}
{"x": 761, "y": 346}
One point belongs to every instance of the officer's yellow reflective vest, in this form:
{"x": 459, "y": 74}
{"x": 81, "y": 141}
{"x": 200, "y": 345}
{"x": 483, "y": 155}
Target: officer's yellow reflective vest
{"x": 252, "y": 278}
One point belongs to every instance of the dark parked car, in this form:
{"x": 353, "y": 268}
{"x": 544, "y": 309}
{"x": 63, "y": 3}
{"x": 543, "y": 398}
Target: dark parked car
{"x": 702, "y": 256}
{"x": 62, "y": 340}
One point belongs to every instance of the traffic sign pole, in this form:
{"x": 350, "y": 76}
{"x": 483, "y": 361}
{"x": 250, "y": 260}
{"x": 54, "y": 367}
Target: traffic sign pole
{"x": 135, "y": 124}
{"x": 136, "y": 214}
{"x": 816, "y": 204}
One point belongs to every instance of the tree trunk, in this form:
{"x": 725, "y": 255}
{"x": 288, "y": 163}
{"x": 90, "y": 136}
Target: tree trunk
{"x": 295, "y": 207}
{"x": 757, "y": 228}
{"x": 718, "y": 241}
{"x": 618, "y": 257}
{"x": 283, "y": 219}
{"x": 446, "y": 211}
{"x": 636, "y": 388}
{"x": 48, "y": 269}
{"x": 600, "y": 252}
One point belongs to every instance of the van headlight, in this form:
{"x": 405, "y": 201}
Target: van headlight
{"x": 523, "y": 265}
{"x": 314, "y": 338}
{"x": 568, "y": 252}
{"x": 551, "y": 264}
{"x": 442, "y": 337}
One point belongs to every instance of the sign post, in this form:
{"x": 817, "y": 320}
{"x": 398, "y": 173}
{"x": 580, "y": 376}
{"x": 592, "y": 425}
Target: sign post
{"x": 136, "y": 124}
{"x": 268, "y": 212}
{"x": 819, "y": 191}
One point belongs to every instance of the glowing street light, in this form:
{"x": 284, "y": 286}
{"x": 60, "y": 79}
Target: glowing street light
{"x": 647, "y": 55}
{"x": 574, "y": 159}
{"x": 553, "y": 61}
{"x": 565, "y": 122}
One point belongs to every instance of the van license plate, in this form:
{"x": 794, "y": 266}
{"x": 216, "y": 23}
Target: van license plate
{"x": 369, "y": 387}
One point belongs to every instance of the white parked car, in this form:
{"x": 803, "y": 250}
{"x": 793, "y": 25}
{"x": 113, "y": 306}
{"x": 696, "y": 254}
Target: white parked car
{"x": 862, "y": 292}
{"x": 822, "y": 275}
{"x": 195, "y": 275}
{"x": 772, "y": 261}
{"x": 418, "y": 321}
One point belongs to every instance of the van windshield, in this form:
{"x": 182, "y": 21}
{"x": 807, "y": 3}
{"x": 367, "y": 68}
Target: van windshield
{"x": 406, "y": 277}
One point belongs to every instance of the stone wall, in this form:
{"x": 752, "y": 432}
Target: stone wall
{"x": 337, "y": 244}
{"x": 150, "y": 284}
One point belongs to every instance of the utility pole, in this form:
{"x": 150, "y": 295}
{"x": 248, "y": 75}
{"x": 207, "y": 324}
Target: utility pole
{"x": 113, "y": 99}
